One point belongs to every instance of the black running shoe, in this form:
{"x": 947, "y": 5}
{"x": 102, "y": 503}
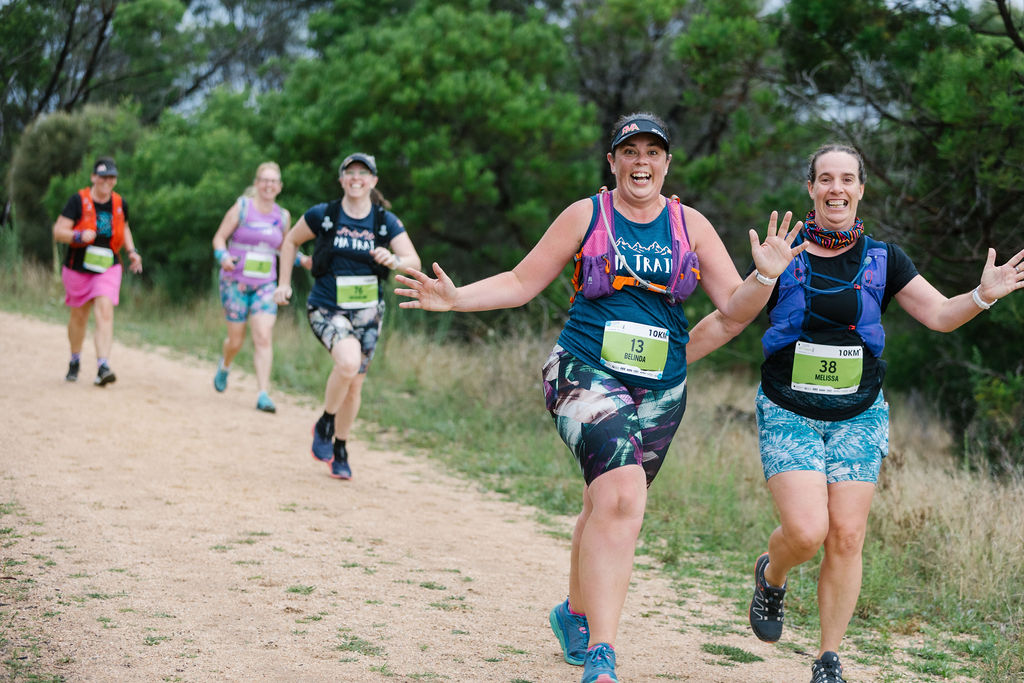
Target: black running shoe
{"x": 827, "y": 669}
{"x": 766, "y": 606}
{"x": 72, "y": 375}
{"x": 104, "y": 376}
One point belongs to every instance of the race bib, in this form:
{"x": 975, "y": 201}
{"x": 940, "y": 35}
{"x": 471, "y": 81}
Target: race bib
{"x": 823, "y": 369}
{"x": 257, "y": 265}
{"x": 357, "y": 291}
{"x": 635, "y": 349}
{"x": 98, "y": 259}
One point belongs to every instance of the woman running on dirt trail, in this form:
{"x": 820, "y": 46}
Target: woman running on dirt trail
{"x": 94, "y": 223}
{"x": 246, "y": 246}
{"x": 615, "y": 383}
{"x": 358, "y": 242}
{"x": 823, "y": 422}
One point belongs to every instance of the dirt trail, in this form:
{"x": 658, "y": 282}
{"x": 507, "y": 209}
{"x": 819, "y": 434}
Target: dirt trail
{"x": 173, "y": 533}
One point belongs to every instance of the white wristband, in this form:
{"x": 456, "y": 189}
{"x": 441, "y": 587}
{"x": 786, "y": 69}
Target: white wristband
{"x": 764, "y": 280}
{"x": 981, "y": 303}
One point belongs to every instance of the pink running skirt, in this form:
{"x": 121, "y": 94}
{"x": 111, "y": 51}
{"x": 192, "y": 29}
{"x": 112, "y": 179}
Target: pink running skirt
{"x": 81, "y": 288}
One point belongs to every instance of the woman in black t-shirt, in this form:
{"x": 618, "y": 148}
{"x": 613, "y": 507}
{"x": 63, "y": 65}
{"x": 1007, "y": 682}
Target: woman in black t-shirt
{"x": 822, "y": 420}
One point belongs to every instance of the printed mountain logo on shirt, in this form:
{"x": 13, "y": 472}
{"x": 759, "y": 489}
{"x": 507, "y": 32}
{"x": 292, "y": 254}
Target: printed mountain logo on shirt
{"x": 644, "y": 260}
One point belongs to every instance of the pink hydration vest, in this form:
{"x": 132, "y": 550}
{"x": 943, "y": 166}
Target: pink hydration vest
{"x": 594, "y": 274}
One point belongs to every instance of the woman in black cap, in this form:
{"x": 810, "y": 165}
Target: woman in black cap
{"x": 358, "y": 242}
{"x": 615, "y": 383}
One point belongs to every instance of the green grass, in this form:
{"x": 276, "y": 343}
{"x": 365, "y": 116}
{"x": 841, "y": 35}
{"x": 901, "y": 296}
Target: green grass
{"x": 474, "y": 406}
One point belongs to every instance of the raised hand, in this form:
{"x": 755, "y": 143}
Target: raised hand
{"x": 426, "y": 292}
{"x": 998, "y": 281}
{"x": 773, "y": 255}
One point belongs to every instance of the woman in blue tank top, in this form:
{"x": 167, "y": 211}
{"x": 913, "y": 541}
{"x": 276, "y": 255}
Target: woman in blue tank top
{"x": 615, "y": 383}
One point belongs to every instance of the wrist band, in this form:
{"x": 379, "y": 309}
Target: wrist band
{"x": 298, "y": 259}
{"x": 76, "y": 237}
{"x": 398, "y": 261}
{"x": 219, "y": 254}
{"x": 763, "y": 279}
{"x": 979, "y": 302}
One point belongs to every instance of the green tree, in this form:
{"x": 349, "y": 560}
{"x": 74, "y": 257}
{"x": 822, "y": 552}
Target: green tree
{"x": 58, "y": 146}
{"x": 475, "y": 146}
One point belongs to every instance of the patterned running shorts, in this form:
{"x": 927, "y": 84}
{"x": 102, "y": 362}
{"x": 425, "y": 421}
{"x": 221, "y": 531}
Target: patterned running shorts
{"x": 330, "y": 326}
{"x": 605, "y": 423}
{"x": 845, "y": 450}
{"x": 240, "y": 301}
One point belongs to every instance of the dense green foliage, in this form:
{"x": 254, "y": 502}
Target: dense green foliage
{"x": 488, "y": 117}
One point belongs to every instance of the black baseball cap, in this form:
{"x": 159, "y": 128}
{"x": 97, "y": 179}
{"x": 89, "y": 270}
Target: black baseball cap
{"x": 104, "y": 167}
{"x": 639, "y": 124}
{"x": 367, "y": 159}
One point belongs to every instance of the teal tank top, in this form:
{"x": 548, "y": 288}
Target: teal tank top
{"x": 634, "y": 334}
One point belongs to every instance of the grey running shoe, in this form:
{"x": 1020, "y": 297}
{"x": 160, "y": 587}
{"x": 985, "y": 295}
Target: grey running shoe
{"x": 72, "y": 375}
{"x": 827, "y": 669}
{"x": 104, "y": 376}
{"x": 766, "y": 606}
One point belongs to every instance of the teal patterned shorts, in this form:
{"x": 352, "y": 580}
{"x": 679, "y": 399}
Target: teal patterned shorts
{"x": 844, "y": 450}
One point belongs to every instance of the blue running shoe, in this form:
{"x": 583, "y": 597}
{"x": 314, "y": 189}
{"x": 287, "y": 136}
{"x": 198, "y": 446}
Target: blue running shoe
{"x": 572, "y": 632}
{"x": 340, "y": 469}
{"x": 323, "y": 448}
{"x": 599, "y": 666}
{"x": 339, "y": 465}
{"x": 264, "y": 403}
{"x": 220, "y": 380}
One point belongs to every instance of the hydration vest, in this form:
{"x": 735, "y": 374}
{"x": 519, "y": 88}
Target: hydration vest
{"x": 594, "y": 275}
{"x": 325, "y": 240}
{"x": 88, "y": 219}
{"x": 792, "y": 312}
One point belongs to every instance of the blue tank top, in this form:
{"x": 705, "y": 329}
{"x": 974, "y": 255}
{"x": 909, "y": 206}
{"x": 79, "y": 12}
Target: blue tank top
{"x": 647, "y": 247}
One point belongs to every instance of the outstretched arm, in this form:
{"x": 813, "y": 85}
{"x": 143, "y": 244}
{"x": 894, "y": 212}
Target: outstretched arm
{"x": 737, "y": 299}
{"x": 928, "y": 306}
{"x": 513, "y": 287}
{"x": 714, "y": 330}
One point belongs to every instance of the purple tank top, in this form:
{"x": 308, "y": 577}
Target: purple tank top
{"x": 254, "y": 245}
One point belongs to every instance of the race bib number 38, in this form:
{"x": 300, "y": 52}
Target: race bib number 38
{"x": 823, "y": 369}
{"x": 357, "y": 291}
{"x": 634, "y": 349}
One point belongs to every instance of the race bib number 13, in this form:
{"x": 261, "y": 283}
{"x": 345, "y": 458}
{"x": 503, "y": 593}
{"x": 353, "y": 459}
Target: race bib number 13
{"x": 824, "y": 369}
{"x": 635, "y": 349}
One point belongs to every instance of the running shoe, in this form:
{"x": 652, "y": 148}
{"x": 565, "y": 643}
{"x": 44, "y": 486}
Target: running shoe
{"x": 264, "y": 403}
{"x": 220, "y": 380}
{"x": 339, "y": 465}
{"x": 104, "y": 376}
{"x": 72, "y": 375}
{"x": 572, "y": 632}
{"x": 323, "y": 448}
{"x": 766, "y": 606}
{"x": 827, "y": 669}
{"x": 599, "y": 666}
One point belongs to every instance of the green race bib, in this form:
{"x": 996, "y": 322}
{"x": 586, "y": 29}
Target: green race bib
{"x": 823, "y": 369}
{"x": 257, "y": 265}
{"x": 357, "y": 291}
{"x": 98, "y": 259}
{"x": 635, "y": 349}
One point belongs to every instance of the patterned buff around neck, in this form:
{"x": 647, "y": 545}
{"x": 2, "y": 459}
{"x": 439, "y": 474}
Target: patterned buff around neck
{"x": 832, "y": 239}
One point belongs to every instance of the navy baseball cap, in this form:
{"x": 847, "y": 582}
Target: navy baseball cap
{"x": 367, "y": 159}
{"x": 104, "y": 167}
{"x": 636, "y": 125}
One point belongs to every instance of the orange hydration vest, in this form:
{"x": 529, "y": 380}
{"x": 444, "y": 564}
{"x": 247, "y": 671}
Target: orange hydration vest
{"x": 88, "y": 219}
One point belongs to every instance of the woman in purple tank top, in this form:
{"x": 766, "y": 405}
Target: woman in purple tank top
{"x": 246, "y": 247}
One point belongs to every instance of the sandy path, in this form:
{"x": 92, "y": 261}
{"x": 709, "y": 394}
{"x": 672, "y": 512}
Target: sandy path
{"x": 173, "y": 533}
